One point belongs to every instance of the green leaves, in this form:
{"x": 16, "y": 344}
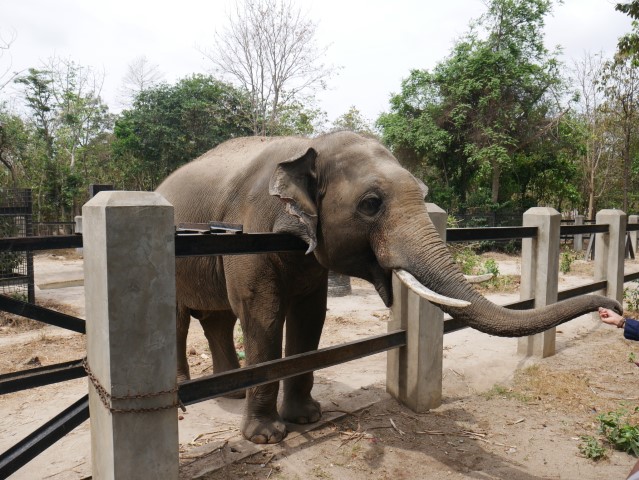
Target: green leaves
{"x": 464, "y": 125}
{"x": 619, "y": 431}
{"x": 170, "y": 125}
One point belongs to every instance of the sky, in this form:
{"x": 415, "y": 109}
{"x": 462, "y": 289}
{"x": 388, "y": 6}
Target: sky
{"x": 375, "y": 43}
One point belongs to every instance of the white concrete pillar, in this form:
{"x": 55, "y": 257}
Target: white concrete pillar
{"x": 540, "y": 274}
{"x": 129, "y": 270}
{"x": 578, "y": 240}
{"x": 609, "y": 252}
{"x": 414, "y": 372}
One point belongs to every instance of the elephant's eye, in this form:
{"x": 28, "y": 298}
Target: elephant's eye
{"x": 370, "y": 205}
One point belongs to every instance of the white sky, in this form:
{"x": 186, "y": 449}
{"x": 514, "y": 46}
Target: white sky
{"x": 375, "y": 42}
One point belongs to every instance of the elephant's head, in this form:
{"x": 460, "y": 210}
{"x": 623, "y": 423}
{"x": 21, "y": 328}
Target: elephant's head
{"x": 364, "y": 215}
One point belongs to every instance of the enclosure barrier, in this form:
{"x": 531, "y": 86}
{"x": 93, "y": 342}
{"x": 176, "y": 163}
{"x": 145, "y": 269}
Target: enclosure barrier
{"x": 415, "y": 386}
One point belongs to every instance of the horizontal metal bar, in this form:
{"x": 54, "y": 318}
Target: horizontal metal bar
{"x": 38, "y": 377}
{"x": 42, "y": 314}
{"x": 492, "y": 233}
{"x": 631, "y": 277}
{"x": 581, "y": 229}
{"x": 45, "y": 436}
{"x": 582, "y": 290}
{"x": 204, "y": 388}
{"x": 632, "y": 227}
{"x": 53, "y": 242}
{"x": 15, "y": 210}
{"x": 240, "y": 244}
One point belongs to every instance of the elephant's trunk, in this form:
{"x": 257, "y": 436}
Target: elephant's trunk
{"x": 427, "y": 258}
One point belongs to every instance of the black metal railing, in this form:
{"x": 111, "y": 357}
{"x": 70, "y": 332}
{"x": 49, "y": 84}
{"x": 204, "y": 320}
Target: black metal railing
{"x": 203, "y": 388}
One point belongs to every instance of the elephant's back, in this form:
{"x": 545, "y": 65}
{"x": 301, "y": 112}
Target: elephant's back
{"x": 218, "y": 185}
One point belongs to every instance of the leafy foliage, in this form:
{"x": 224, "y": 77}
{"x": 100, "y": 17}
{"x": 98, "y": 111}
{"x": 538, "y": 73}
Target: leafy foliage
{"x": 486, "y": 112}
{"x": 631, "y": 296}
{"x": 619, "y": 431}
{"x": 170, "y": 125}
{"x": 590, "y": 447}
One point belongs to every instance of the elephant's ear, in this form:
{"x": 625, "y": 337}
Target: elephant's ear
{"x": 295, "y": 182}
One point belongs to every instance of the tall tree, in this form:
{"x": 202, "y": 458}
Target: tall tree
{"x": 6, "y": 75}
{"x": 490, "y": 101}
{"x": 353, "y": 121}
{"x": 169, "y": 125}
{"x": 621, "y": 86}
{"x": 629, "y": 43}
{"x": 269, "y": 49}
{"x": 140, "y": 75}
{"x": 595, "y": 164}
{"x": 67, "y": 114}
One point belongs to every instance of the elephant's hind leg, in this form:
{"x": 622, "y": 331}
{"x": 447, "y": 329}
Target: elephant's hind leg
{"x": 183, "y": 319}
{"x": 218, "y": 328}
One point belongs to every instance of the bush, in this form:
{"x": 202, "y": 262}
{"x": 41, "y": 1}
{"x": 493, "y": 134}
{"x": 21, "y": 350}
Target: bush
{"x": 591, "y": 448}
{"x": 467, "y": 259}
{"x": 618, "y": 430}
{"x": 566, "y": 259}
{"x": 631, "y": 297}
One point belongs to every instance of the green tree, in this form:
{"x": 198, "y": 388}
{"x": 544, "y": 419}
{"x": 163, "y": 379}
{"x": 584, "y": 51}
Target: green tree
{"x": 353, "y": 121}
{"x": 620, "y": 82}
{"x": 629, "y": 43}
{"x": 67, "y": 115}
{"x": 488, "y": 103}
{"x": 170, "y": 125}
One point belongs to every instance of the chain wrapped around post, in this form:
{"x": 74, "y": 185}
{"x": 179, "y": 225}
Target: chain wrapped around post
{"x": 107, "y": 398}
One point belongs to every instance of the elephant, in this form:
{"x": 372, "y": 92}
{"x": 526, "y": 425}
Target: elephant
{"x": 360, "y": 213}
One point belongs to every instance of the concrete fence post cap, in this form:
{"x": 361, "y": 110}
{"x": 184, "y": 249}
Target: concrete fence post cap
{"x": 610, "y": 212}
{"x": 116, "y": 198}
{"x": 434, "y": 208}
{"x": 541, "y": 211}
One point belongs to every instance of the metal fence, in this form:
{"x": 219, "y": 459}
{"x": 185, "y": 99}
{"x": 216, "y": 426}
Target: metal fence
{"x": 220, "y": 384}
{"x": 16, "y": 268}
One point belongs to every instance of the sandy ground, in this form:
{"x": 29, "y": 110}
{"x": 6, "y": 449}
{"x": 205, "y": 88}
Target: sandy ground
{"x": 501, "y": 418}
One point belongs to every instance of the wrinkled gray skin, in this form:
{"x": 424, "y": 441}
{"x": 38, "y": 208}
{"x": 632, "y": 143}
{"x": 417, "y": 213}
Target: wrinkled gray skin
{"x": 361, "y": 214}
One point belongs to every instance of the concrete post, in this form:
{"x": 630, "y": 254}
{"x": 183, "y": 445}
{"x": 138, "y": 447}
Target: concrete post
{"x": 129, "y": 269}
{"x": 540, "y": 274}
{"x": 609, "y": 252}
{"x": 633, "y": 234}
{"x": 578, "y": 240}
{"x": 414, "y": 372}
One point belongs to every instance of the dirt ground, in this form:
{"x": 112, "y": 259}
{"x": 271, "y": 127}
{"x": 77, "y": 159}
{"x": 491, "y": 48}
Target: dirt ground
{"x": 503, "y": 417}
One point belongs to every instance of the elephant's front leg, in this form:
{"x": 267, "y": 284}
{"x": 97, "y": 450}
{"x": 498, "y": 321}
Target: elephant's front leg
{"x": 262, "y": 320}
{"x": 304, "y": 323}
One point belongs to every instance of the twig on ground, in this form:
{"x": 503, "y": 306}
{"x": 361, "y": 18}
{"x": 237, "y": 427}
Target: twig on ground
{"x": 395, "y": 427}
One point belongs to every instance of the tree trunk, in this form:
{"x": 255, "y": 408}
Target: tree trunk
{"x": 495, "y": 182}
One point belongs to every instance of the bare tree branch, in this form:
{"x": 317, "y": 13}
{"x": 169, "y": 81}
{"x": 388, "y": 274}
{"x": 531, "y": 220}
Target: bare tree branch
{"x": 140, "y": 76}
{"x": 269, "y": 50}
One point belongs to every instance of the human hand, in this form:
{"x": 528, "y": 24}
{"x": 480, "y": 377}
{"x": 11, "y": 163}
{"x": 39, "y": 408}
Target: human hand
{"x": 611, "y": 317}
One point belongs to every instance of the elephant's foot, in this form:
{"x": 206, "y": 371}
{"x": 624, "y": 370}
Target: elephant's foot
{"x": 263, "y": 429}
{"x": 301, "y": 412}
{"x": 236, "y": 395}
{"x": 183, "y": 376}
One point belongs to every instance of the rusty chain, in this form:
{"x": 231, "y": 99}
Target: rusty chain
{"x": 107, "y": 398}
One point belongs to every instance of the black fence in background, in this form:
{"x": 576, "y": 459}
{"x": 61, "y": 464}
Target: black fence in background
{"x": 16, "y": 268}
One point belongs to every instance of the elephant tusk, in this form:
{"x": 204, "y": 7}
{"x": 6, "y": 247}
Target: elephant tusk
{"x": 478, "y": 278}
{"x": 411, "y": 282}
